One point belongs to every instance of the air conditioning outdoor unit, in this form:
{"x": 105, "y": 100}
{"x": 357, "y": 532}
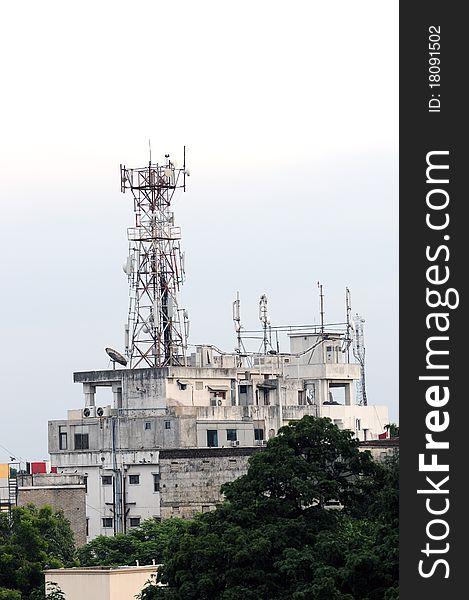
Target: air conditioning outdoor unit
{"x": 235, "y": 442}
{"x": 103, "y": 411}
{"x": 89, "y": 411}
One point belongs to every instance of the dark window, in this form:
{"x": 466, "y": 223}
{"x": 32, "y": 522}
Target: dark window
{"x": 134, "y": 521}
{"x": 87, "y": 527}
{"x": 167, "y": 424}
{"x": 106, "y": 479}
{"x": 147, "y": 424}
{"x": 212, "y": 438}
{"x": 231, "y": 435}
{"x": 156, "y": 482}
{"x": 62, "y": 437}
{"x": 85, "y": 481}
{"x": 243, "y": 389}
{"x": 134, "y": 479}
{"x": 107, "y": 522}
{"x": 266, "y": 397}
{"x": 258, "y": 434}
{"x": 81, "y": 441}
{"x": 182, "y": 386}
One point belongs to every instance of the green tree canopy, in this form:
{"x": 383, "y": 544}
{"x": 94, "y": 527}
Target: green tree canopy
{"x": 274, "y": 537}
{"x": 145, "y": 543}
{"x": 32, "y": 540}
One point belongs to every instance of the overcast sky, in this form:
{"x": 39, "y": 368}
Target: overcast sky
{"x": 290, "y": 119}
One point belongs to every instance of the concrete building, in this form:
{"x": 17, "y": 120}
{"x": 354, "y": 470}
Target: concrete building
{"x": 101, "y": 583}
{"x": 65, "y": 492}
{"x": 149, "y": 435}
{"x": 127, "y": 446}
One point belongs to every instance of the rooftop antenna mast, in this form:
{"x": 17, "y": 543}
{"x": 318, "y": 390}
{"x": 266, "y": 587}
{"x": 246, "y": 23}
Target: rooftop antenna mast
{"x": 348, "y": 310}
{"x": 321, "y": 304}
{"x": 157, "y": 329}
{"x": 359, "y": 353}
{"x": 237, "y": 321}
{"x": 265, "y": 320}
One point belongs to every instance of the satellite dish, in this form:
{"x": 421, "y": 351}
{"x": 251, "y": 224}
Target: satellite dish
{"x": 116, "y": 356}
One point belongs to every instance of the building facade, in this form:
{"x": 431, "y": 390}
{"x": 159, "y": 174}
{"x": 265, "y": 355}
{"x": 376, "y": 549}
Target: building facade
{"x": 166, "y": 438}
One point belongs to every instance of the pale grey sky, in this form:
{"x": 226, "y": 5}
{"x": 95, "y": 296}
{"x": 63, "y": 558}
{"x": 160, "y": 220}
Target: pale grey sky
{"x": 289, "y": 114}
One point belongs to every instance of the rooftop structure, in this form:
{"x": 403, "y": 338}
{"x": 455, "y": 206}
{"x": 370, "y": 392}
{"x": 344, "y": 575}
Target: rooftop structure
{"x": 162, "y": 399}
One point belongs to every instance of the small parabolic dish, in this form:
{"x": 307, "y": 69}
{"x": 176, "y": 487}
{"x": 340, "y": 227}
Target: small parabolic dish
{"x": 116, "y": 356}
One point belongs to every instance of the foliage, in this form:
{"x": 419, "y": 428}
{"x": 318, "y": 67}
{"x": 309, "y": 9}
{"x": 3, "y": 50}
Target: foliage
{"x": 32, "y": 540}
{"x": 273, "y": 538}
{"x": 145, "y": 543}
{"x": 6, "y": 594}
{"x": 393, "y": 430}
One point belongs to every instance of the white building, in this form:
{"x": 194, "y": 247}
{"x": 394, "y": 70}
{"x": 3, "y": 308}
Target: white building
{"x": 213, "y": 403}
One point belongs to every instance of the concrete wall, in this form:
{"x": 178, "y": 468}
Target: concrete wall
{"x": 122, "y": 583}
{"x": 191, "y": 479}
{"x": 61, "y": 492}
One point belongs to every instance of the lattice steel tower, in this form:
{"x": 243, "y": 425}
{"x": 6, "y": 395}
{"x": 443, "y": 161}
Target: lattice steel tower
{"x": 157, "y": 329}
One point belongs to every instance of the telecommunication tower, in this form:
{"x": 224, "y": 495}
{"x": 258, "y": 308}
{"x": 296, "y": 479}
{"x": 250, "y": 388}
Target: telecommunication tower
{"x": 359, "y": 353}
{"x": 157, "y": 329}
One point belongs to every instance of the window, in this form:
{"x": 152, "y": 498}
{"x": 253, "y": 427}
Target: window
{"x": 134, "y": 521}
{"x": 87, "y": 527}
{"x": 258, "y": 434}
{"x": 358, "y": 424}
{"x": 107, "y": 522}
{"x": 212, "y": 438}
{"x": 106, "y": 479}
{"x": 81, "y": 441}
{"x": 266, "y": 397}
{"x": 199, "y": 385}
{"x": 134, "y": 479}
{"x": 147, "y": 425}
{"x": 167, "y": 424}
{"x": 156, "y": 482}
{"x": 301, "y": 397}
{"x": 243, "y": 389}
{"x": 231, "y": 435}
{"x": 62, "y": 437}
{"x": 175, "y": 509}
{"x": 216, "y": 398}
{"x": 85, "y": 481}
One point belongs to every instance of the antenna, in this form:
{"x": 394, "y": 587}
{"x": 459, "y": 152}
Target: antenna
{"x": 321, "y": 304}
{"x": 156, "y": 333}
{"x": 359, "y": 353}
{"x": 265, "y": 320}
{"x": 348, "y": 309}
{"x": 116, "y": 357}
{"x": 237, "y": 320}
{"x": 149, "y": 149}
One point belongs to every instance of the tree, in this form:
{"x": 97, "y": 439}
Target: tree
{"x": 30, "y": 541}
{"x": 6, "y": 594}
{"x": 275, "y": 538}
{"x": 392, "y": 429}
{"x": 143, "y": 544}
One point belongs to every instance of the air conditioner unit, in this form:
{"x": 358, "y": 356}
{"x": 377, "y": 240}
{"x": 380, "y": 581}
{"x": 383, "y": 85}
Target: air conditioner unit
{"x": 89, "y": 411}
{"x": 234, "y": 442}
{"x": 103, "y": 411}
